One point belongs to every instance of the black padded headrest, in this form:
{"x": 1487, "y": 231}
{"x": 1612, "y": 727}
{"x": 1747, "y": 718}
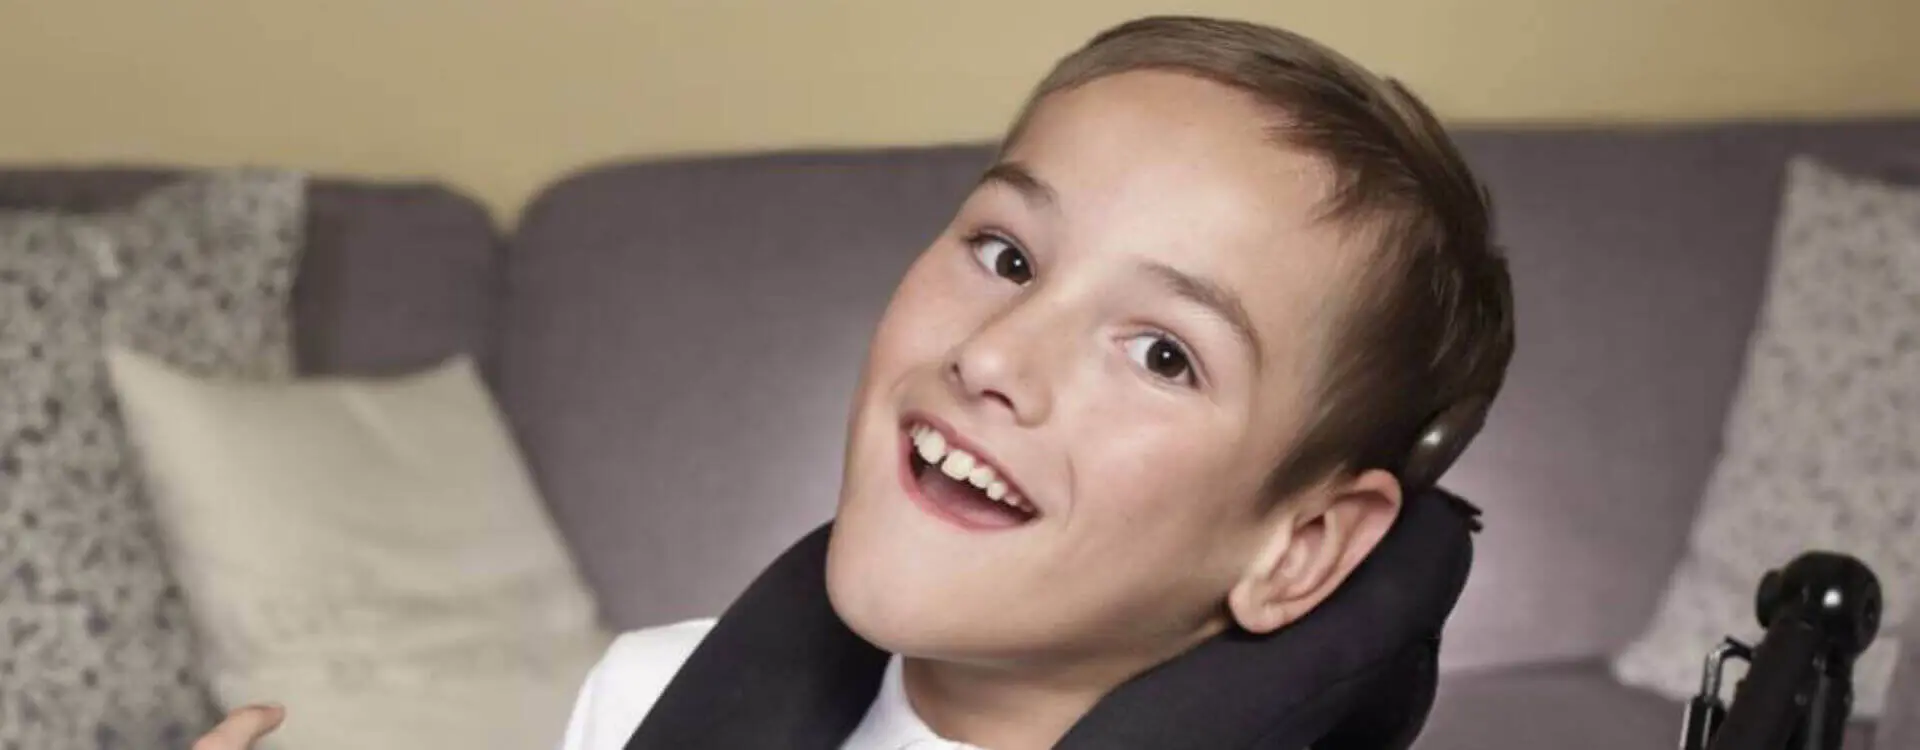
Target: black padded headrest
{"x": 780, "y": 670}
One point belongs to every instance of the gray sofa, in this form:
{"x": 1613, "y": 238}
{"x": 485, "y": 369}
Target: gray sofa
{"x": 675, "y": 343}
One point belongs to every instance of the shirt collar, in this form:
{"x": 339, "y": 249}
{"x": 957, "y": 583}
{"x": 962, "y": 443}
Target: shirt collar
{"x": 891, "y": 723}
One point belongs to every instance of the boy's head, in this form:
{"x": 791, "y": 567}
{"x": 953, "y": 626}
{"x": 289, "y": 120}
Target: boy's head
{"x": 1192, "y": 321}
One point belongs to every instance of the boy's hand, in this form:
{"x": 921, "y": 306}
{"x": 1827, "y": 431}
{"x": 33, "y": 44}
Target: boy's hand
{"x": 245, "y": 726}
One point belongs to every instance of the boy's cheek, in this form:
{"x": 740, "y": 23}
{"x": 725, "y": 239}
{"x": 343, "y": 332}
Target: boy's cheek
{"x": 910, "y": 337}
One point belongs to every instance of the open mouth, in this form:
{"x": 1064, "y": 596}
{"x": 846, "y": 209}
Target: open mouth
{"x": 958, "y": 485}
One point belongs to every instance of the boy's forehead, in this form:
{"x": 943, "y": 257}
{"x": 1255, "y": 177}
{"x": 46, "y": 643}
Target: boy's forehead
{"x": 1147, "y": 143}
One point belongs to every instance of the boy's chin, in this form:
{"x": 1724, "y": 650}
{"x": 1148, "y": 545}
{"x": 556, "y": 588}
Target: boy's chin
{"x": 928, "y": 635}
{"x": 889, "y": 627}
{"x": 907, "y": 617}
{"x": 866, "y": 599}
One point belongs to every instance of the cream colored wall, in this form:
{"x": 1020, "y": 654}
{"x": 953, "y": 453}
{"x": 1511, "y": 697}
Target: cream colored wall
{"x": 501, "y": 96}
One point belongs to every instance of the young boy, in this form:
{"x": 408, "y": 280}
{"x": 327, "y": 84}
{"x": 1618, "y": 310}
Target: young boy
{"x": 1153, "y": 383}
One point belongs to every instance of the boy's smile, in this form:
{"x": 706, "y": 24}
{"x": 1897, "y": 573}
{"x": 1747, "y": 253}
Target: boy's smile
{"x": 955, "y": 480}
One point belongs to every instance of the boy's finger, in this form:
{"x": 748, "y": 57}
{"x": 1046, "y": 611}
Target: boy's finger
{"x": 242, "y": 728}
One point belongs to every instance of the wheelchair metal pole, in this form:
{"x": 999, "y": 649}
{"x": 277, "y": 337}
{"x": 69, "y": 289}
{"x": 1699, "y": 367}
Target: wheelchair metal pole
{"x": 1706, "y": 712}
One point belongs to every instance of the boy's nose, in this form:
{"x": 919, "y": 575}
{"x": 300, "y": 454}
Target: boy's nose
{"x": 1001, "y": 365}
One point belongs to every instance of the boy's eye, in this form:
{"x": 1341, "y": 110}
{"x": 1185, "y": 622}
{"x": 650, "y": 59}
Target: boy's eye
{"x": 1162, "y": 356}
{"x": 1001, "y": 258}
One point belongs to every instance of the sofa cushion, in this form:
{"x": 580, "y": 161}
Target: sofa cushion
{"x": 394, "y": 276}
{"x": 1899, "y": 724}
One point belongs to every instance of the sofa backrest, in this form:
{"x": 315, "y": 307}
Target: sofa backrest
{"x": 681, "y": 340}
{"x": 393, "y": 277}
{"x": 1639, "y": 260}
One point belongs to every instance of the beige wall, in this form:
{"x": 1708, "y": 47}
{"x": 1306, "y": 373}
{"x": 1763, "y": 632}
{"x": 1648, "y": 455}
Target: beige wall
{"x": 501, "y": 96}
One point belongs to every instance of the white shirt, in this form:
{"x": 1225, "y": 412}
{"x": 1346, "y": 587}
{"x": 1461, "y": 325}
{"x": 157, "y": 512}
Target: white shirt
{"x": 623, "y": 687}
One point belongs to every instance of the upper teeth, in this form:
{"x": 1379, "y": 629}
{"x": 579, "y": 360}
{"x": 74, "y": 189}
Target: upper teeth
{"x": 963, "y": 466}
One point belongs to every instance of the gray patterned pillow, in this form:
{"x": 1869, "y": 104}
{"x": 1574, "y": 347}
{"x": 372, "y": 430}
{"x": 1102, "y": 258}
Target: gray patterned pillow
{"x": 96, "y": 649}
{"x": 1822, "y": 446}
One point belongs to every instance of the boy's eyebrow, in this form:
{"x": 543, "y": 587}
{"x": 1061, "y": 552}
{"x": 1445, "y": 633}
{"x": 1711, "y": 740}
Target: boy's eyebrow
{"x": 1015, "y": 175}
{"x": 1221, "y": 301}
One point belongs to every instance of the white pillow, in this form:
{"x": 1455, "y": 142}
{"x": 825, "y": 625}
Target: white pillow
{"x": 1822, "y": 444}
{"x": 369, "y": 553}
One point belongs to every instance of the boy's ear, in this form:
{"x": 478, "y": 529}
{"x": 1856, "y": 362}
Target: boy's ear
{"x": 1316, "y": 540}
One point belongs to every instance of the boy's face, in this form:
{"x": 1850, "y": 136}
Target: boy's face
{"x": 1124, "y": 321}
